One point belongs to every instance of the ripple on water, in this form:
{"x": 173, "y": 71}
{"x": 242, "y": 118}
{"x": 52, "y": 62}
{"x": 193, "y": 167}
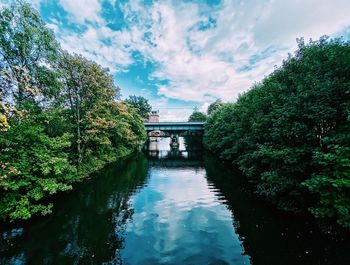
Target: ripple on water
{"x": 181, "y": 217}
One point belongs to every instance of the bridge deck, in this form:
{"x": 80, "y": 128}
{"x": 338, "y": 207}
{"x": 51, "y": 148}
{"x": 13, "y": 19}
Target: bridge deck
{"x": 174, "y": 126}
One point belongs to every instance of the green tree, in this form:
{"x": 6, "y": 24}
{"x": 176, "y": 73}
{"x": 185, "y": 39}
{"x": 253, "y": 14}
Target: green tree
{"x": 197, "y": 116}
{"x": 33, "y": 165}
{"x": 214, "y": 106}
{"x": 85, "y": 86}
{"x": 103, "y": 129}
{"x": 141, "y": 105}
{"x": 27, "y": 47}
{"x": 4, "y": 125}
{"x": 290, "y": 133}
{"x": 59, "y": 118}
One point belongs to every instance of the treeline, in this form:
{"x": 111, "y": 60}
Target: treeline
{"x": 197, "y": 115}
{"x": 290, "y": 134}
{"x": 60, "y": 118}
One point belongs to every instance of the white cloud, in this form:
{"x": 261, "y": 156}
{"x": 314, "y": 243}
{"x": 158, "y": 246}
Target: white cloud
{"x": 283, "y": 21}
{"x": 3, "y": 4}
{"x": 173, "y": 114}
{"x": 199, "y": 65}
{"x": 53, "y": 26}
{"x": 35, "y": 3}
{"x": 82, "y": 10}
{"x": 204, "y": 107}
{"x": 170, "y": 112}
{"x": 221, "y": 61}
{"x": 92, "y": 44}
{"x": 205, "y": 65}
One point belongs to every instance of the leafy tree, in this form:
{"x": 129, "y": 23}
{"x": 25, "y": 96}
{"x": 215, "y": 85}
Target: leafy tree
{"x": 290, "y": 133}
{"x": 33, "y": 165}
{"x": 141, "y": 105}
{"x": 27, "y": 46}
{"x": 214, "y": 106}
{"x": 4, "y": 125}
{"x": 59, "y": 118}
{"x": 197, "y": 116}
{"x": 85, "y": 86}
{"x": 103, "y": 129}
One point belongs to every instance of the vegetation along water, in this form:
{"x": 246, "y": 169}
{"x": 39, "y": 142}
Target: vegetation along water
{"x": 74, "y": 190}
{"x": 168, "y": 206}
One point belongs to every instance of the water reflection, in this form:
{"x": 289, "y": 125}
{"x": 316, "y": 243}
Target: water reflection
{"x": 270, "y": 236}
{"x": 161, "y": 154}
{"x": 87, "y": 225}
{"x": 178, "y": 217}
{"x": 169, "y": 206}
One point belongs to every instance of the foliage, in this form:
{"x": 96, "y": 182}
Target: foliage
{"x": 59, "y": 118}
{"x": 143, "y": 108}
{"x": 85, "y": 86}
{"x": 217, "y": 104}
{"x": 32, "y": 165}
{"x": 4, "y": 126}
{"x": 290, "y": 133}
{"x": 26, "y": 46}
{"x": 197, "y": 116}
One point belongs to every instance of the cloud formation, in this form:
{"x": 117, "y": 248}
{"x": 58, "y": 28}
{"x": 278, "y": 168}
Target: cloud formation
{"x": 82, "y": 10}
{"x": 206, "y": 53}
{"x": 199, "y": 51}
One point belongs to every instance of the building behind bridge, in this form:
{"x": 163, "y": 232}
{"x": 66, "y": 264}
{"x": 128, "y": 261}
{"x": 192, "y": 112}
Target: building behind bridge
{"x": 154, "y": 116}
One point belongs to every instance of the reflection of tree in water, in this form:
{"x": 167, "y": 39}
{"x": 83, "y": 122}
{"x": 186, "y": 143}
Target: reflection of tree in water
{"x": 88, "y": 224}
{"x": 194, "y": 141}
{"x": 270, "y": 236}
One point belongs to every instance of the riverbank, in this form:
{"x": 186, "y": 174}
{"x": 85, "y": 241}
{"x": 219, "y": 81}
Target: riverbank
{"x": 60, "y": 116}
{"x": 173, "y": 207}
{"x": 54, "y": 199}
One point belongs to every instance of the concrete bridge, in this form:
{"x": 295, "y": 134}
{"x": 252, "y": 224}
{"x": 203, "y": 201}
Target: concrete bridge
{"x": 173, "y": 129}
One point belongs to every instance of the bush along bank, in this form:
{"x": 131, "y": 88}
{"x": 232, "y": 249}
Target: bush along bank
{"x": 60, "y": 118}
{"x": 290, "y": 134}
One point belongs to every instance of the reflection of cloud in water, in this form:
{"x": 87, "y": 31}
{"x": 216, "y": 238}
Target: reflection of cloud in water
{"x": 180, "y": 218}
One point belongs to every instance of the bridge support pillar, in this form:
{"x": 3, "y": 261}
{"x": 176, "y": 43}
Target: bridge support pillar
{"x": 174, "y": 141}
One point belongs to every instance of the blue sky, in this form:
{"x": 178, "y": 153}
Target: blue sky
{"x": 186, "y": 54}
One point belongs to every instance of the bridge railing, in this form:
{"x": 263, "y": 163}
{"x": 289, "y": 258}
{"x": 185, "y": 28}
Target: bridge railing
{"x": 174, "y": 126}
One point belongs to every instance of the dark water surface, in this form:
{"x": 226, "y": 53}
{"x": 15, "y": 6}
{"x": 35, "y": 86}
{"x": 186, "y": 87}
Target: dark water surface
{"x": 168, "y": 207}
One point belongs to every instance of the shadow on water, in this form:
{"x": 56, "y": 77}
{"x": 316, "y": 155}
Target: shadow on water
{"x": 270, "y": 236}
{"x": 169, "y": 206}
{"x": 87, "y": 224}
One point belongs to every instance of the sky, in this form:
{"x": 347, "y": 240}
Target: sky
{"x": 183, "y": 54}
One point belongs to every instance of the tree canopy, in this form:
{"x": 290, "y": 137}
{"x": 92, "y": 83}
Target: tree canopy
{"x": 27, "y": 47}
{"x": 197, "y": 116}
{"x": 217, "y": 104}
{"x": 59, "y": 118}
{"x": 141, "y": 105}
{"x": 290, "y": 133}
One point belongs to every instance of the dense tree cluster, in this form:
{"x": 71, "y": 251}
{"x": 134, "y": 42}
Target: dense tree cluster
{"x": 140, "y": 104}
{"x": 217, "y": 104}
{"x": 200, "y": 116}
{"x": 197, "y": 116}
{"x": 290, "y": 134}
{"x": 59, "y": 116}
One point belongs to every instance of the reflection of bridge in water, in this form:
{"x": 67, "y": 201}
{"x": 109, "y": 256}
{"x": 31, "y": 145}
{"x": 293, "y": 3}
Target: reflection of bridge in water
{"x": 162, "y": 154}
{"x": 175, "y": 158}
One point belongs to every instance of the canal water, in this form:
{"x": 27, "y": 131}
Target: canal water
{"x": 168, "y": 206}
